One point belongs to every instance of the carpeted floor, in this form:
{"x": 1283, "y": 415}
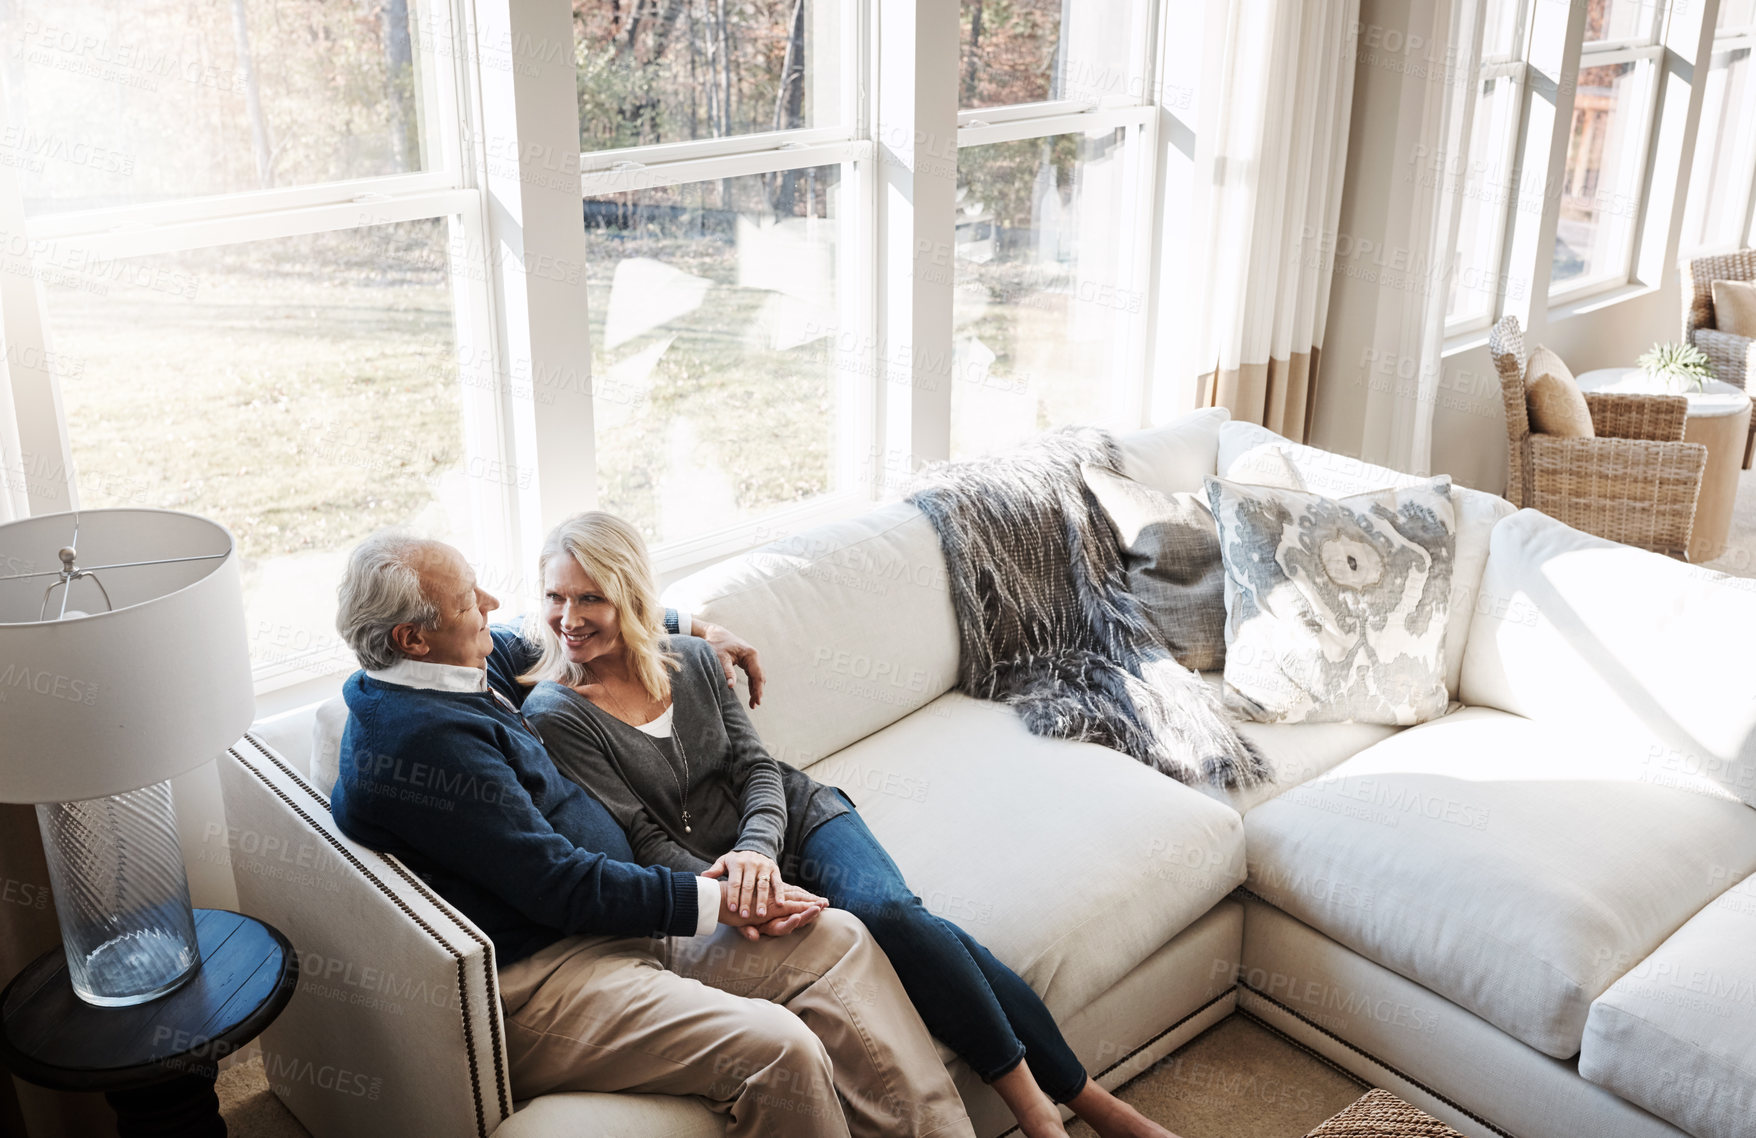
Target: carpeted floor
{"x": 1236, "y": 1080}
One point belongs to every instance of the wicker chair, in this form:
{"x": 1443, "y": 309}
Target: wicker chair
{"x": 1733, "y": 357}
{"x": 1636, "y": 482}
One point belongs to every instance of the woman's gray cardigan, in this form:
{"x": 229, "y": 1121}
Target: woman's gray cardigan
{"x": 739, "y": 797}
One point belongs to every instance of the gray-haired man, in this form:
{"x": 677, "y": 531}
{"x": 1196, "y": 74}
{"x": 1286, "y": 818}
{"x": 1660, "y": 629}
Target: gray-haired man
{"x": 614, "y": 976}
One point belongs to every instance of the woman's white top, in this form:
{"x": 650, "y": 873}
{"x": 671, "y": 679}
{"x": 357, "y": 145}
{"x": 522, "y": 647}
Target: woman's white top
{"x": 659, "y": 728}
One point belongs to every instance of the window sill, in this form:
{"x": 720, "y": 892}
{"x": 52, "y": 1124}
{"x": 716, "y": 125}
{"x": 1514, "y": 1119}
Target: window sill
{"x": 1568, "y": 307}
{"x": 1461, "y": 342}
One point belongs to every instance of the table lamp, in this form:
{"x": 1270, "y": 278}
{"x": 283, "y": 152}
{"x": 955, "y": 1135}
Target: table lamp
{"x": 123, "y": 662}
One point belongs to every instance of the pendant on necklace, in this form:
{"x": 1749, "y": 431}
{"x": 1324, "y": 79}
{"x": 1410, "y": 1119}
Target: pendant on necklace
{"x": 686, "y": 828}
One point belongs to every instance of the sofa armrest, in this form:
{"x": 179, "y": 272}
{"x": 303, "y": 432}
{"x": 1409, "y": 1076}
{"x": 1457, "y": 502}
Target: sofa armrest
{"x": 1733, "y": 357}
{"x": 395, "y": 1028}
{"x": 1633, "y": 491}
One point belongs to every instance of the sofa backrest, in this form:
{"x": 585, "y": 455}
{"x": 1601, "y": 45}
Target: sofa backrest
{"x": 853, "y": 621}
{"x": 1243, "y": 446}
{"x": 1628, "y": 648}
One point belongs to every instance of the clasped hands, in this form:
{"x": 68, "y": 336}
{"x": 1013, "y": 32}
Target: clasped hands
{"x": 754, "y": 899}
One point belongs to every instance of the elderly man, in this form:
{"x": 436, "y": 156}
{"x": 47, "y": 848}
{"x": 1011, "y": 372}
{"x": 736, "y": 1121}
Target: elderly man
{"x": 614, "y": 976}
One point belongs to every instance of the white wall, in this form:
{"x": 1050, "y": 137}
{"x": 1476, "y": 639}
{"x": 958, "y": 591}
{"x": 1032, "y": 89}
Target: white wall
{"x": 1469, "y": 426}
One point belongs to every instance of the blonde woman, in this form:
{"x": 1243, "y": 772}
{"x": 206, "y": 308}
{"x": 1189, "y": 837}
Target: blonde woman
{"x": 647, "y": 724}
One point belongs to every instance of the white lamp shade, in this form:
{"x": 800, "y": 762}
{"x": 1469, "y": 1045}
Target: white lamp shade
{"x": 110, "y": 702}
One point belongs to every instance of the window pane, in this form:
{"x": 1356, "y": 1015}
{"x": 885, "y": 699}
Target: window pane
{"x": 1719, "y": 182}
{"x": 303, "y": 392}
{"x": 123, "y": 103}
{"x": 715, "y": 344}
{"x": 1500, "y": 29}
{"x": 1027, "y": 51}
{"x": 1735, "y": 15}
{"x": 1621, "y": 19}
{"x": 1600, "y": 190}
{"x": 1045, "y": 314}
{"x": 698, "y": 69}
{"x": 1488, "y": 185}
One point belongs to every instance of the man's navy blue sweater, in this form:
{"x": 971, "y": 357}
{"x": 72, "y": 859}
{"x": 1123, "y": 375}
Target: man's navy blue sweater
{"x": 460, "y": 788}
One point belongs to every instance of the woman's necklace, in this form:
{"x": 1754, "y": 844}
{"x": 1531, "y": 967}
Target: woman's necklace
{"x": 676, "y": 737}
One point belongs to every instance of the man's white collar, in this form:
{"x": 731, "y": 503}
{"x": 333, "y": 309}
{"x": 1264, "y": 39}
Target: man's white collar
{"x": 411, "y": 673}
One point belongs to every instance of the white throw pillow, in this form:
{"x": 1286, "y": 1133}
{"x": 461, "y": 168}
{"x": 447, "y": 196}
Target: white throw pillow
{"x": 1175, "y": 457}
{"x": 1247, "y": 454}
{"x": 1336, "y": 608}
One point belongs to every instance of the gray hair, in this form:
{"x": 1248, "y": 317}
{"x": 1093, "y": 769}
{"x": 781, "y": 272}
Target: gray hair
{"x": 379, "y": 591}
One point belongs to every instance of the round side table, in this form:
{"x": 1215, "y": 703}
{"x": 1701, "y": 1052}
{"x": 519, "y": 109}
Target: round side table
{"x": 155, "y": 1062}
{"x": 1719, "y": 418}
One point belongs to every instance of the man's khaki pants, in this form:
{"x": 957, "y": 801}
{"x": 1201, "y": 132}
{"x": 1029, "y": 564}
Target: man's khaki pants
{"x": 765, "y": 1031}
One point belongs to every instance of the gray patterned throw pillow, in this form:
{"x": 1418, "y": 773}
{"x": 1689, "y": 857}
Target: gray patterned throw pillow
{"x": 1170, "y": 549}
{"x": 1336, "y": 608}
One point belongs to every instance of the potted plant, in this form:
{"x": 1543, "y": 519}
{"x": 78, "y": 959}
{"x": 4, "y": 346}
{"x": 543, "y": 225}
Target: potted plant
{"x": 1680, "y": 367}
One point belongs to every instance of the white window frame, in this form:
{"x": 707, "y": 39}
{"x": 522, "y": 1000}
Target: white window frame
{"x": 1725, "y": 42}
{"x": 1515, "y": 67}
{"x": 1650, "y": 56}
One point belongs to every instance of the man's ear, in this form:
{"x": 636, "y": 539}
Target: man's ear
{"x": 410, "y": 639}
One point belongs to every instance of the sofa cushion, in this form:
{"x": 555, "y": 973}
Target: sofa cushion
{"x": 1509, "y": 865}
{"x": 1296, "y": 753}
{"x": 1072, "y": 862}
{"x": 1634, "y": 648}
{"x": 1173, "y": 458}
{"x": 1677, "y": 1035}
{"x": 1337, "y": 475}
{"x": 853, "y": 621}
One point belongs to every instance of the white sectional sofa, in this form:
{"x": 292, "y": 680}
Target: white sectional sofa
{"x": 1532, "y": 917}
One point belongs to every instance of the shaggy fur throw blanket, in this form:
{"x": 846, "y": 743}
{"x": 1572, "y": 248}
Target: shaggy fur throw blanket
{"x": 1045, "y": 620}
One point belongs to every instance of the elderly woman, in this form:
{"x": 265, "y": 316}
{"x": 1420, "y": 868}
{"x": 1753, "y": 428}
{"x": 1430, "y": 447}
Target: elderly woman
{"x": 647, "y": 724}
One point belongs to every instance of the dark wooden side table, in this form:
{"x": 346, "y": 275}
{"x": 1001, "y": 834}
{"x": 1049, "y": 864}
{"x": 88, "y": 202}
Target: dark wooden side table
{"x": 155, "y": 1062}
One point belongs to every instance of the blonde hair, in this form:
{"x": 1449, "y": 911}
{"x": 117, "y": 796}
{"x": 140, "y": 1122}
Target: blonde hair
{"x": 613, "y": 554}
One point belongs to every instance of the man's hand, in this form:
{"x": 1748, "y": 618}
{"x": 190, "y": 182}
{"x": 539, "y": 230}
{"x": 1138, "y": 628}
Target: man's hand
{"x": 751, "y": 880}
{"x": 784, "y": 916}
{"x": 733, "y": 653}
{"x": 781, "y": 926}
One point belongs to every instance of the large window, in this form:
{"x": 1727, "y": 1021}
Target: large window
{"x": 155, "y": 100}
{"x": 311, "y": 268}
{"x": 1487, "y": 173}
{"x": 1613, "y": 105}
{"x": 725, "y": 262}
{"x": 248, "y": 222}
{"x": 1717, "y": 218}
{"x": 715, "y": 319}
{"x": 1053, "y": 165}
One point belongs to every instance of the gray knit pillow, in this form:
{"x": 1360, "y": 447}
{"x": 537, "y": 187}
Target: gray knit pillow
{"x": 1170, "y": 548}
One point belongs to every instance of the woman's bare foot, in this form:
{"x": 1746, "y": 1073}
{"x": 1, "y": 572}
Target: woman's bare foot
{"x": 1038, "y": 1116}
{"x": 1113, "y": 1118}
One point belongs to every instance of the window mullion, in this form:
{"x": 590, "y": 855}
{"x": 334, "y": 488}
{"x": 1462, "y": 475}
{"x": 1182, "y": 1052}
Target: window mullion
{"x": 528, "y": 149}
{"x": 915, "y": 128}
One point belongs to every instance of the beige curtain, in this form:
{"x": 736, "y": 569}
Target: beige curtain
{"x": 1277, "y": 88}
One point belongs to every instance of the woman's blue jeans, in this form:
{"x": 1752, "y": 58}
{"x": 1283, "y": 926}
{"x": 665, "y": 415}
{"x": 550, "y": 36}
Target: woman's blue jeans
{"x": 976, "y": 1005}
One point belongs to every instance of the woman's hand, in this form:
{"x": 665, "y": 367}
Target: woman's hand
{"x": 751, "y": 880}
{"x": 732, "y": 651}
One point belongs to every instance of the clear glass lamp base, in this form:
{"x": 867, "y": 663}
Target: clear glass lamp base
{"x": 121, "y": 895}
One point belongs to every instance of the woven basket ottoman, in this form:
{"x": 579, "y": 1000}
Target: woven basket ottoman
{"x": 1381, "y": 1114}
